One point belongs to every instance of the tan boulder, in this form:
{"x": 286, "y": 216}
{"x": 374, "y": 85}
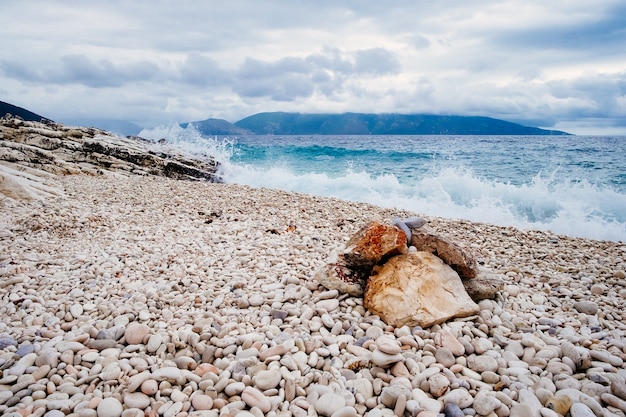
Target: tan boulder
{"x": 460, "y": 259}
{"x": 417, "y": 289}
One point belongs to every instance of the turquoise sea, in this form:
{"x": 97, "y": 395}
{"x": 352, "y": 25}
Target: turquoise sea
{"x": 571, "y": 185}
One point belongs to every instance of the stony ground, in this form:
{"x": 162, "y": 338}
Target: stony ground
{"x": 139, "y": 296}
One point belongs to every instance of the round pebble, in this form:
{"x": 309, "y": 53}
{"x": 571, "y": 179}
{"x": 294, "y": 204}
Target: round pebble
{"x": 109, "y": 407}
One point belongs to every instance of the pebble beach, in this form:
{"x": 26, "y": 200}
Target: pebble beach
{"x": 143, "y": 296}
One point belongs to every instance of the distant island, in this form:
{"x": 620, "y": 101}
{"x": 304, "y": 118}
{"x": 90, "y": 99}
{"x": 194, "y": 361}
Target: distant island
{"x": 279, "y": 123}
{"x": 284, "y": 123}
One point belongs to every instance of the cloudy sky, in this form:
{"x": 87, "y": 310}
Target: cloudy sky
{"x": 555, "y": 64}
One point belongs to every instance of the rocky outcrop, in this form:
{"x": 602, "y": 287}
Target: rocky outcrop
{"x": 417, "y": 289}
{"x": 58, "y": 149}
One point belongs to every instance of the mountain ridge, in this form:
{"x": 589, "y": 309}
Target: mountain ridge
{"x": 283, "y": 123}
{"x": 293, "y": 123}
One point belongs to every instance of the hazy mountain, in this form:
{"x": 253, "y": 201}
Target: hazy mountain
{"x": 279, "y": 123}
{"x": 210, "y": 127}
{"x": 18, "y": 111}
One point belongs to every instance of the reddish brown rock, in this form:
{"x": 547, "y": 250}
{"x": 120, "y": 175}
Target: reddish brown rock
{"x": 372, "y": 243}
{"x": 451, "y": 253}
{"x": 347, "y": 271}
{"x": 417, "y": 289}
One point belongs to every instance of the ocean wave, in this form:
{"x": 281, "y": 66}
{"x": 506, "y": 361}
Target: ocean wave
{"x": 559, "y": 200}
{"x": 560, "y": 206}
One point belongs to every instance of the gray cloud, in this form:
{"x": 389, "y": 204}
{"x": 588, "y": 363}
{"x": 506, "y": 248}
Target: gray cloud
{"x": 79, "y": 69}
{"x": 376, "y": 61}
{"x": 558, "y": 63}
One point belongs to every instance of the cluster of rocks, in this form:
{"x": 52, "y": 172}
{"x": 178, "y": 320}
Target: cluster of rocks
{"x": 144, "y": 296}
{"x": 30, "y": 151}
{"x": 409, "y": 275}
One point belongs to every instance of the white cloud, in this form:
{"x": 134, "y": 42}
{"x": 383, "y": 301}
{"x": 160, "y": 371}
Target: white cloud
{"x": 557, "y": 63}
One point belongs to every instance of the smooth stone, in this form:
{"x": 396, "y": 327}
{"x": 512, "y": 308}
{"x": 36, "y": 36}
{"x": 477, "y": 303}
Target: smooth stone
{"x": 48, "y": 357}
{"x": 607, "y": 357}
{"x": 329, "y": 403}
{"x": 522, "y": 410}
{"x": 154, "y": 342}
{"x": 265, "y": 380}
{"x": 51, "y": 413}
{"x": 109, "y": 407}
{"x": 278, "y": 350}
{"x": 460, "y": 397}
{"x": 444, "y": 356}
{"x": 363, "y": 386}
{"x": 346, "y": 411}
{"x": 6, "y": 342}
{"x": 586, "y": 307}
{"x": 515, "y": 347}
{"x": 73, "y": 346}
{"x": 255, "y": 398}
{"x": 481, "y": 345}
{"x": 135, "y": 333}
{"x": 389, "y": 395}
{"x": 439, "y": 384}
{"x": 256, "y": 300}
{"x": 25, "y": 349}
{"x": 482, "y": 363}
{"x": 581, "y": 410}
{"x": 453, "y": 410}
{"x": 388, "y": 345}
{"x": 234, "y": 388}
{"x": 485, "y": 404}
{"x": 150, "y": 387}
{"x": 328, "y": 305}
{"x": 446, "y": 339}
{"x": 618, "y": 388}
{"x": 614, "y": 401}
{"x": 385, "y": 360}
{"x": 546, "y": 412}
{"x": 569, "y": 350}
{"x": 76, "y": 310}
{"x": 528, "y": 397}
{"x": 136, "y": 400}
{"x": 167, "y": 373}
{"x": 430, "y": 404}
{"x": 202, "y": 402}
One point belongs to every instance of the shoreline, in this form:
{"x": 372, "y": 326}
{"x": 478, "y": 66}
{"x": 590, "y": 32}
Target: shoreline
{"x": 218, "y": 285}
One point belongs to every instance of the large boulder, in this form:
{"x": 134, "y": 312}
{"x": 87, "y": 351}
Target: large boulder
{"x": 347, "y": 269}
{"x": 417, "y": 289}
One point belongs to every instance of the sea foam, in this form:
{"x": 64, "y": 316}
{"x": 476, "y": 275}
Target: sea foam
{"x": 550, "y": 201}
